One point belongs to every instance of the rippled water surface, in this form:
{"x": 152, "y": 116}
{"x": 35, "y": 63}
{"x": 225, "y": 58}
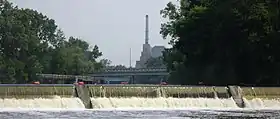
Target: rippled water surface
{"x": 140, "y": 114}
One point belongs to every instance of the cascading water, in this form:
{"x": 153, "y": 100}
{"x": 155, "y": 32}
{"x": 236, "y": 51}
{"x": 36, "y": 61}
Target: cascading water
{"x": 259, "y": 103}
{"x": 158, "y": 97}
{"x": 56, "y": 102}
{"x": 134, "y": 102}
{"x": 261, "y": 97}
{"x": 39, "y": 96}
{"x": 137, "y": 97}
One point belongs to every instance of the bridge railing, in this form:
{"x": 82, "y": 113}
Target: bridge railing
{"x": 32, "y": 85}
{"x": 144, "y": 85}
{"x": 134, "y": 70}
{"x": 114, "y": 85}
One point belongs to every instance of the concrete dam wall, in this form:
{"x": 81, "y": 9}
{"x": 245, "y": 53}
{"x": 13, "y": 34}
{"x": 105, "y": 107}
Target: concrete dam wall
{"x": 261, "y": 92}
{"x": 113, "y": 96}
{"x": 158, "y": 91}
{"x": 35, "y": 91}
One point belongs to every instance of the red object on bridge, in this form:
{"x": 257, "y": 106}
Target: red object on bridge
{"x": 163, "y": 83}
{"x": 124, "y": 82}
{"x": 36, "y": 82}
{"x": 81, "y": 83}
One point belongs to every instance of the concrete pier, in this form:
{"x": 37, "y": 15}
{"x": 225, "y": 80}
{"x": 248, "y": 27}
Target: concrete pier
{"x": 236, "y": 94}
{"x": 84, "y": 94}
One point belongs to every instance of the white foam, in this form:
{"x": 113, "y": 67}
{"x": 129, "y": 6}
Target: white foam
{"x": 135, "y": 103}
{"x": 162, "y": 103}
{"x": 56, "y": 102}
{"x": 258, "y": 103}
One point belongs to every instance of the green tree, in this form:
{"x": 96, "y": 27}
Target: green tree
{"x": 117, "y": 67}
{"x": 75, "y": 57}
{"x": 31, "y": 43}
{"x": 155, "y": 62}
{"x": 25, "y": 38}
{"x": 105, "y": 63}
{"x": 223, "y": 42}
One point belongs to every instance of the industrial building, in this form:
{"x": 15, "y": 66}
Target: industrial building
{"x": 148, "y": 51}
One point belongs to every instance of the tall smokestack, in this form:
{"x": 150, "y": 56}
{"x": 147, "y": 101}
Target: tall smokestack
{"x": 147, "y": 30}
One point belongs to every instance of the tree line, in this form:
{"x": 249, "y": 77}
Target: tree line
{"x": 221, "y": 42}
{"x": 216, "y": 42}
{"x": 32, "y": 43}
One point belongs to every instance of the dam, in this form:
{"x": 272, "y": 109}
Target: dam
{"x": 127, "y": 96}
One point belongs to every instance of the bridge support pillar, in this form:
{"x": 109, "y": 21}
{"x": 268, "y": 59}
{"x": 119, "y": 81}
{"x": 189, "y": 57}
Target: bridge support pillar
{"x": 132, "y": 79}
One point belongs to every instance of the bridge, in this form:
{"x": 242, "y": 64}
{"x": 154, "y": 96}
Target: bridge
{"x": 114, "y": 72}
{"x": 117, "y": 75}
{"x": 131, "y": 72}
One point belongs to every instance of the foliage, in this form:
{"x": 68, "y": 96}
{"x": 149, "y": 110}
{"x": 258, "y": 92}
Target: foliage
{"x": 105, "y": 62}
{"x": 223, "y": 41}
{"x": 116, "y": 67}
{"x": 31, "y": 43}
{"x": 155, "y": 62}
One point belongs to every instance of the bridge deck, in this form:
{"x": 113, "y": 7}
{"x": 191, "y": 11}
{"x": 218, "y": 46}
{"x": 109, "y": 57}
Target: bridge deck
{"x": 131, "y": 72}
{"x": 113, "y": 72}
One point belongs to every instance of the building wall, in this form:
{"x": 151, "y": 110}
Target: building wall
{"x": 157, "y": 51}
{"x": 145, "y": 55}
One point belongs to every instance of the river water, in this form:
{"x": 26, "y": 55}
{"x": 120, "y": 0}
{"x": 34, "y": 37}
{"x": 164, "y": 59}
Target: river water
{"x": 138, "y": 108}
{"x": 140, "y": 114}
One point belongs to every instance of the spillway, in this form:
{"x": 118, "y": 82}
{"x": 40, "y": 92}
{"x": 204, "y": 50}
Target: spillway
{"x": 39, "y": 96}
{"x": 64, "y": 96}
{"x": 261, "y": 97}
{"x": 161, "y": 97}
{"x": 43, "y": 103}
{"x": 259, "y": 103}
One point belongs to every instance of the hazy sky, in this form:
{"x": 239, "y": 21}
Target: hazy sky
{"x": 114, "y": 25}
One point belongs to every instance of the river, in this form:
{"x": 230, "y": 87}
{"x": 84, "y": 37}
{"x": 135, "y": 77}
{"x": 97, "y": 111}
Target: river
{"x": 141, "y": 114}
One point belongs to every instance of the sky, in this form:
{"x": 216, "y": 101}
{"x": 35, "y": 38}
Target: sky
{"x": 114, "y": 25}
